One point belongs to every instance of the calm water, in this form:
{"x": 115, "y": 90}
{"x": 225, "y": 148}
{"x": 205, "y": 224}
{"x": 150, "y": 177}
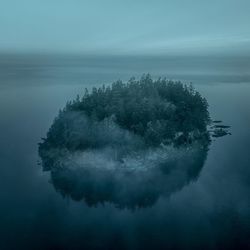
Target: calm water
{"x": 212, "y": 212}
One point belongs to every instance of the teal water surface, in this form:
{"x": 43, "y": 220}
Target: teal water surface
{"x": 212, "y": 212}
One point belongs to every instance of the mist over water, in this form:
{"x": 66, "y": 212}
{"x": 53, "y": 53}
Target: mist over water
{"x": 211, "y": 212}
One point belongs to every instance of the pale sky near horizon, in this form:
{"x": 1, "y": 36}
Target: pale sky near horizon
{"x": 125, "y": 27}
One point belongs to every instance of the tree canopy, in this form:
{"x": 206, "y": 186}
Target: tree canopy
{"x": 158, "y": 111}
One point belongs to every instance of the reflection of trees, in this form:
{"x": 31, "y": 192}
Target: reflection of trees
{"x": 129, "y": 189}
{"x": 128, "y": 144}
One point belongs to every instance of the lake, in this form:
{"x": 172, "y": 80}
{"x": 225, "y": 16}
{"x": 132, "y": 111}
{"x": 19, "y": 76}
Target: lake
{"x": 211, "y": 212}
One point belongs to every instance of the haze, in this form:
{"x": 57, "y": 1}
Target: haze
{"x": 125, "y": 27}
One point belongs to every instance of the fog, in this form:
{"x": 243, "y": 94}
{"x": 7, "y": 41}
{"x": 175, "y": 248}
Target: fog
{"x": 117, "y": 166}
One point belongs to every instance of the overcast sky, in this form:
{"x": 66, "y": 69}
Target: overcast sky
{"x": 125, "y": 26}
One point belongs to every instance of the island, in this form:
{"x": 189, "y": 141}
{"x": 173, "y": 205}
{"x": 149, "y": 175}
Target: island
{"x": 128, "y": 143}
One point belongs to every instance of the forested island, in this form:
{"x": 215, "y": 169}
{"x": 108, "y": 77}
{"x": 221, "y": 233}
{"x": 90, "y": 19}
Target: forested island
{"x": 128, "y": 143}
{"x": 158, "y": 112}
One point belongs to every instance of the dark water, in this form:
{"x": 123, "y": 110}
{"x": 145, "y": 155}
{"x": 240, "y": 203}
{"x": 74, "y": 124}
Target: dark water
{"x": 212, "y": 212}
